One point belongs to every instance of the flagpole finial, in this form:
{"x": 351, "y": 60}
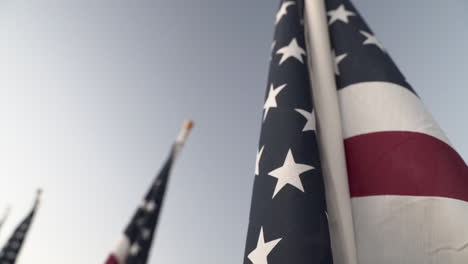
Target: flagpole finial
{"x": 38, "y": 194}
{"x": 188, "y": 125}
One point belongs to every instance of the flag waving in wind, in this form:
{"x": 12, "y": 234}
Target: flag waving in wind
{"x": 12, "y": 248}
{"x": 396, "y": 190}
{"x": 408, "y": 186}
{"x": 135, "y": 245}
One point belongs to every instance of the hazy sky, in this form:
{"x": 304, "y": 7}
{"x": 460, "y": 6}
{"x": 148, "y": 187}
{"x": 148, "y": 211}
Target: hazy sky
{"x": 92, "y": 94}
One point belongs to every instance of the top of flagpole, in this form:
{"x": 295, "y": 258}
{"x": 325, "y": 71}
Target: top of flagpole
{"x": 38, "y": 196}
{"x": 187, "y": 127}
{"x": 38, "y": 193}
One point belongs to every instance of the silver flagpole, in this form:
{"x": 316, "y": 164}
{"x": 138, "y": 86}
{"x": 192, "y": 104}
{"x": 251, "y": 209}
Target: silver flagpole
{"x": 5, "y": 216}
{"x": 187, "y": 127}
{"x": 329, "y": 130}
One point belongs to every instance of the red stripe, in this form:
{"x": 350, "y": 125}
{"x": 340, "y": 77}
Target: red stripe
{"x": 405, "y": 163}
{"x": 112, "y": 260}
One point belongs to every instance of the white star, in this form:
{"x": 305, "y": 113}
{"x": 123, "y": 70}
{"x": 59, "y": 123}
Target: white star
{"x": 260, "y": 253}
{"x": 310, "y": 116}
{"x": 145, "y": 233}
{"x": 291, "y": 50}
{"x": 371, "y": 39}
{"x": 339, "y": 14}
{"x": 149, "y": 206}
{"x": 338, "y": 59}
{"x": 257, "y": 160}
{"x": 283, "y": 10}
{"x": 134, "y": 249}
{"x": 289, "y": 173}
{"x": 271, "y": 100}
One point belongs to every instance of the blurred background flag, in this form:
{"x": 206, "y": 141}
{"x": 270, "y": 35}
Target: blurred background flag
{"x": 288, "y": 218}
{"x": 408, "y": 185}
{"x": 135, "y": 244}
{"x": 12, "y": 248}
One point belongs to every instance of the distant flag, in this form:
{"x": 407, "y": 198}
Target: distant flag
{"x": 11, "y": 250}
{"x": 408, "y": 185}
{"x": 4, "y": 217}
{"x": 288, "y": 218}
{"x": 135, "y": 244}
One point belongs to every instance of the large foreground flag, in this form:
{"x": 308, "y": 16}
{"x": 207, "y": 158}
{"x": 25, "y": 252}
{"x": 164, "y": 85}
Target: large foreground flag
{"x": 135, "y": 244}
{"x": 12, "y": 248}
{"x": 408, "y": 185}
{"x": 288, "y": 219}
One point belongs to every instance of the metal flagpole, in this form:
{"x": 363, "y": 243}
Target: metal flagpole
{"x": 38, "y": 197}
{"x": 188, "y": 125}
{"x": 5, "y": 216}
{"x": 327, "y": 111}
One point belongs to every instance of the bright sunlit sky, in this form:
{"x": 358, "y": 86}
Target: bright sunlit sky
{"x": 93, "y": 93}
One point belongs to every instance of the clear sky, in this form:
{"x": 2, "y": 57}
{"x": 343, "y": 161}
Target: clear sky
{"x": 92, "y": 94}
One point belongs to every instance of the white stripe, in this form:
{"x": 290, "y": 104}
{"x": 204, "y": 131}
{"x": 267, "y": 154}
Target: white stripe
{"x": 122, "y": 248}
{"x": 408, "y": 229}
{"x": 381, "y": 106}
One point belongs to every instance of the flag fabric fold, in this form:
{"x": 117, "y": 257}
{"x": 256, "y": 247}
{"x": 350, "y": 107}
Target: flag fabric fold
{"x": 12, "y": 248}
{"x": 288, "y": 220}
{"x": 409, "y": 186}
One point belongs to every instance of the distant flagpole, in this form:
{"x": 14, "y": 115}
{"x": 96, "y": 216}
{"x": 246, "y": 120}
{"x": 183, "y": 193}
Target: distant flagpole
{"x": 5, "y": 216}
{"x": 12, "y": 248}
{"x": 188, "y": 125}
{"x": 330, "y": 135}
{"x": 135, "y": 244}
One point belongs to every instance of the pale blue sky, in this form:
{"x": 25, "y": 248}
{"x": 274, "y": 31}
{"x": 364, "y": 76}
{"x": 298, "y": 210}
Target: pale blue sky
{"x": 92, "y": 94}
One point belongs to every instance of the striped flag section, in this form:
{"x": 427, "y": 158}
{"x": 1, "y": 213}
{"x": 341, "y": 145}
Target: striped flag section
{"x": 135, "y": 244}
{"x": 396, "y": 191}
{"x": 12, "y": 248}
{"x": 408, "y": 185}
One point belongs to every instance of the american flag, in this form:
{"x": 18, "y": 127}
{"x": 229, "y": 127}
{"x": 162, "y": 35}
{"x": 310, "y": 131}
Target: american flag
{"x": 408, "y": 185}
{"x": 288, "y": 218}
{"x": 135, "y": 244}
{"x": 12, "y": 248}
